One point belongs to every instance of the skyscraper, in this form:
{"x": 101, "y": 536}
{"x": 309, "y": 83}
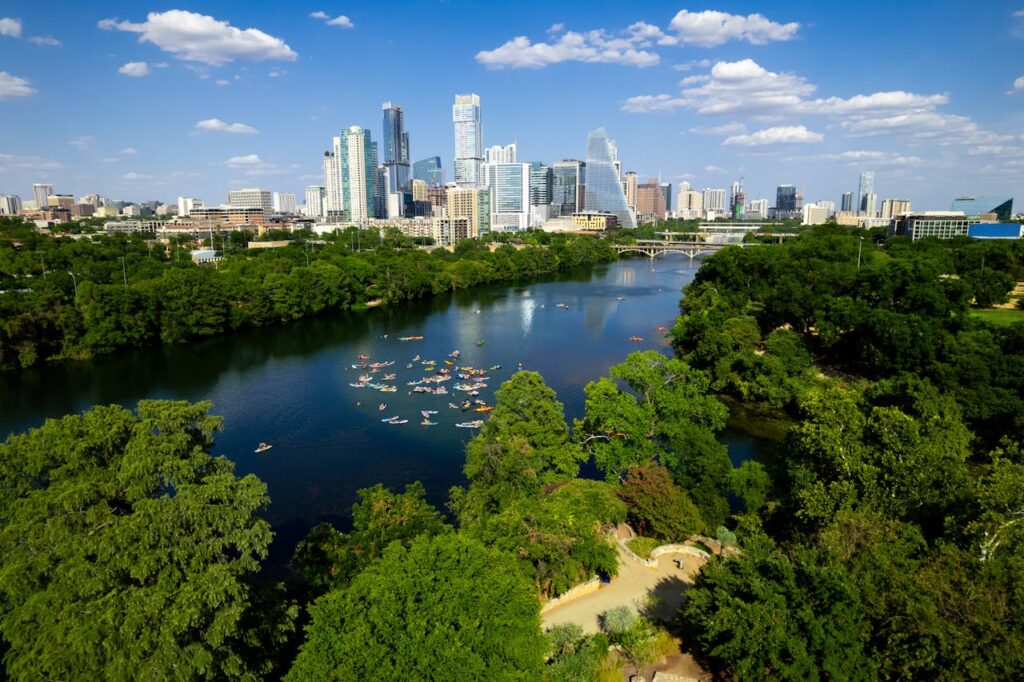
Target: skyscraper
{"x": 541, "y": 187}
{"x": 473, "y": 204}
{"x": 252, "y": 198}
{"x": 468, "y": 140}
{"x": 666, "y": 189}
{"x": 10, "y": 204}
{"x": 715, "y": 200}
{"x": 315, "y": 201}
{"x": 846, "y": 203}
{"x": 567, "y": 187}
{"x": 429, "y": 171}
{"x": 650, "y": 199}
{"x": 630, "y": 185}
{"x": 499, "y": 154}
{"x": 866, "y": 186}
{"x": 510, "y": 195}
{"x": 396, "y": 147}
{"x": 349, "y": 171}
{"x": 785, "y": 200}
{"x": 603, "y": 189}
{"x": 40, "y": 193}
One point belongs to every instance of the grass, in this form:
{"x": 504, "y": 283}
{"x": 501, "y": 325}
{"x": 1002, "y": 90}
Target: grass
{"x": 642, "y": 546}
{"x": 999, "y": 316}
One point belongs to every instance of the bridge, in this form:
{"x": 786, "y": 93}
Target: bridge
{"x": 652, "y": 248}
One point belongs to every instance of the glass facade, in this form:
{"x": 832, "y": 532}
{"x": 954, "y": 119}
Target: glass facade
{"x": 866, "y": 187}
{"x": 396, "y": 147}
{"x": 785, "y": 198}
{"x": 541, "y": 181}
{"x": 468, "y": 140}
{"x": 603, "y": 189}
{"x": 429, "y": 171}
{"x": 566, "y": 188}
{"x": 975, "y": 206}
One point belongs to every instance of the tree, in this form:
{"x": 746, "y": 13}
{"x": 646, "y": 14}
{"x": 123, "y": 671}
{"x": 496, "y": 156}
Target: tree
{"x": 445, "y": 605}
{"x": 657, "y": 508}
{"x": 126, "y": 547}
{"x": 331, "y": 559}
{"x": 751, "y": 483}
{"x": 575, "y": 657}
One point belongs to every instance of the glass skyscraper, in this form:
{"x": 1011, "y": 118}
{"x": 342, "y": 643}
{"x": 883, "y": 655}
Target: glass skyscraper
{"x": 567, "y": 187}
{"x": 867, "y": 186}
{"x": 603, "y": 190}
{"x": 396, "y": 147}
{"x": 785, "y": 198}
{"x": 429, "y": 171}
{"x": 469, "y": 155}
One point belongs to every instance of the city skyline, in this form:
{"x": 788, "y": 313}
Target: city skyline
{"x": 688, "y": 95}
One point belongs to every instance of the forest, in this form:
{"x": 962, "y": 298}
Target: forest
{"x": 884, "y": 540}
{"x": 65, "y": 298}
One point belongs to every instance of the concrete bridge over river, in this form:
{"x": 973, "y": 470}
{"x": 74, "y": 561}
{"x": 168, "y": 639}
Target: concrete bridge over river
{"x": 652, "y": 248}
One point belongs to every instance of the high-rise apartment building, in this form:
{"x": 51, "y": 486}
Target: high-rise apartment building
{"x": 541, "y": 189}
{"x": 252, "y": 198}
{"x": 893, "y": 207}
{"x": 869, "y": 207}
{"x": 499, "y": 154}
{"x": 567, "y": 187}
{"x": 715, "y": 200}
{"x": 756, "y": 210}
{"x": 846, "y": 202}
{"x": 650, "y": 199}
{"x": 828, "y": 205}
{"x": 350, "y": 176}
{"x": 510, "y": 195}
{"x": 468, "y": 140}
{"x": 666, "y": 190}
{"x": 603, "y": 188}
{"x": 39, "y": 193}
{"x": 10, "y": 204}
{"x": 866, "y": 186}
{"x": 315, "y": 195}
{"x": 472, "y": 203}
{"x": 629, "y": 186}
{"x": 429, "y": 171}
{"x": 419, "y": 190}
{"x": 396, "y": 147}
{"x": 690, "y": 204}
{"x": 284, "y": 202}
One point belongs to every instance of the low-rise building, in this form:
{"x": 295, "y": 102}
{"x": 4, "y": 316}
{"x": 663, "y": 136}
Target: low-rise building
{"x": 132, "y": 226}
{"x": 938, "y": 224}
{"x": 594, "y": 221}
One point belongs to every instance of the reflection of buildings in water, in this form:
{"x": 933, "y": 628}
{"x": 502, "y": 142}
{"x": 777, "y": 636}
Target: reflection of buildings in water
{"x": 596, "y": 312}
{"x": 470, "y": 326}
{"x": 526, "y": 308}
{"x": 625, "y": 277}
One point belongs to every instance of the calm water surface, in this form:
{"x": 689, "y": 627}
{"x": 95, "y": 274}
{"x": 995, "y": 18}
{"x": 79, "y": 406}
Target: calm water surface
{"x": 289, "y": 385}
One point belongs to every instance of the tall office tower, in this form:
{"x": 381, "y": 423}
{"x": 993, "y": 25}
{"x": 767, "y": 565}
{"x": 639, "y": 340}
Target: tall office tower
{"x": 473, "y": 204}
{"x": 396, "y": 147}
{"x": 541, "y": 189}
{"x": 510, "y": 195}
{"x": 846, "y": 203}
{"x": 315, "y": 195}
{"x": 349, "y": 176}
{"x": 870, "y": 206}
{"x": 499, "y": 154}
{"x": 283, "y": 202}
{"x": 186, "y": 204}
{"x": 603, "y": 189}
{"x": 629, "y": 186}
{"x": 734, "y": 189}
{"x": 468, "y": 140}
{"x": 429, "y": 171}
{"x": 39, "y": 193}
{"x": 893, "y": 207}
{"x": 666, "y": 189}
{"x": 10, "y": 204}
{"x": 252, "y": 198}
{"x": 650, "y": 199}
{"x": 866, "y": 186}
{"x": 785, "y": 199}
{"x": 715, "y": 200}
{"x": 567, "y": 187}
{"x": 691, "y": 203}
{"x": 756, "y": 210}
{"x": 614, "y": 148}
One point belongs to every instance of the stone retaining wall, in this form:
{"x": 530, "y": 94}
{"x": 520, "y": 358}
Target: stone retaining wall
{"x": 581, "y": 590}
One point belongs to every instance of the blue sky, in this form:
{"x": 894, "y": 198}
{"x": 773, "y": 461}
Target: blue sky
{"x": 150, "y": 101}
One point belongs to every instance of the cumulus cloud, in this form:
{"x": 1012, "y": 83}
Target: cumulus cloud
{"x": 649, "y": 103}
{"x": 710, "y": 28}
{"x": 134, "y": 69}
{"x": 1018, "y": 85}
{"x": 129, "y": 151}
{"x": 596, "y": 46}
{"x": 10, "y": 27}
{"x": 243, "y": 161}
{"x": 860, "y": 157}
{"x": 777, "y": 135}
{"x": 45, "y": 40}
{"x": 943, "y": 129}
{"x": 340, "y": 20}
{"x": 692, "y": 64}
{"x": 12, "y": 86}
{"x": 556, "y": 28}
{"x": 83, "y": 142}
{"x": 215, "y": 125}
{"x": 734, "y": 128}
{"x": 201, "y": 38}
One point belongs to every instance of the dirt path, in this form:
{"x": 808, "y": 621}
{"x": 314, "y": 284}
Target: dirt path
{"x": 637, "y": 586}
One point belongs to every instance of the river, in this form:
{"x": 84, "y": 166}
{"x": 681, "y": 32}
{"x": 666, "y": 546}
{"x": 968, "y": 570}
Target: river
{"x": 290, "y": 385}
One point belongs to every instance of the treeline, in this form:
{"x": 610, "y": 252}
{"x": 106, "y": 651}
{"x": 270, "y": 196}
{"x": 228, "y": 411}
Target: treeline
{"x": 128, "y": 550}
{"x": 131, "y": 293}
{"x": 891, "y": 539}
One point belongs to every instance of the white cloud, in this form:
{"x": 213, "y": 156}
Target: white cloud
{"x": 83, "y": 142}
{"x": 12, "y": 86}
{"x": 222, "y": 82}
{"x": 1017, "y": 24}
{"x": 556, "y": 28}
{"x": 128, "y": 151}
{"x": 710, "y": 28}
{"x": 201, "y": 38}
{"x": 161, "y": 65}
{"x": 10, "y": 27}
{"x": 277, "y": 73}
{"x": 1018, "y": 85}
{"x": 215, "y": 125}
{"x": 340, "y": 20}
{"x": 45, "y": 40}
{"x": 861, "y": 157}
{"x": 734, "y": 128}
{"x": 692, "y": 64}
{"x": 649, "y": 103}
{"x": 776, "y": 135}
{"x": 109, "y": 159}
{"x": 714, "y": 169}
{"x": 37, "y": 163}
{"x": 592, "y": 47}
{"x": 943, "y": 129}
{"x": 243, "y": 161}
{"x": 134, "y": 69}
{"x": 132, "y": 176}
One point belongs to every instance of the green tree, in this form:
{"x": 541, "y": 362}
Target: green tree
{"x": 445, "y": 605}
{"x": 126, "y": 547}
{"x": 657, "y": 507}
